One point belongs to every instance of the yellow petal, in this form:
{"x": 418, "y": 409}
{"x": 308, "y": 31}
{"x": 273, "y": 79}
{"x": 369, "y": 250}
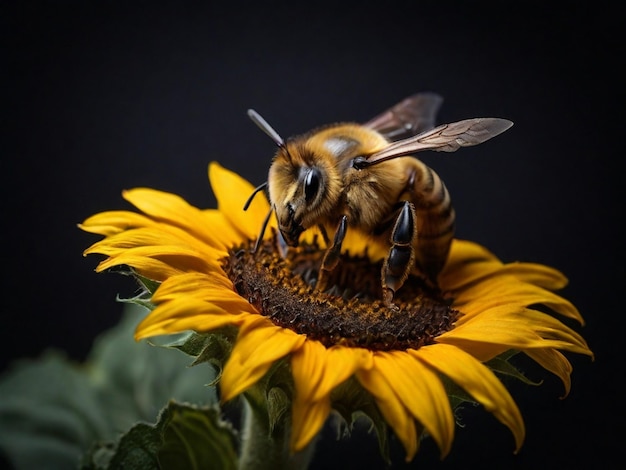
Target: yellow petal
{"x": 196, "y": 308}
{"x": 538, "y": 274}
{"x": 200, "y": 285}
{"x": 223, "y": 233}
{"x": 341, "y": 363}
{"x": 464, "y": 252}
{"x": 154, "y": 269}
{"x": 467, "y": 263}
{"x": 509, "y": 290}
{"x": 156, "y": 235}
{"x": 162, "y": 206}
{"x": 112, "y": 222}
{"x": 176, "y": 212}
{"x": 421, "y": 391}
{"x": 307, "y": 420}
{"x": 480, "y": 350}
{"x": 309, "y": 365}
{"x": 159, "y": 264}
{"x": 178, "y": 317}
{"x": 357, "y": 243}
{"x": 392, "y": 409}
{"x": 260, "y": 343}
{"x": 316, "y": 372}
{"x": 232, "y": 192}
{"x": 477, "y": 380}
{"x": 516, "y": 328}
{"x": 555, "y": 362}
{"x": 213, "y": 287}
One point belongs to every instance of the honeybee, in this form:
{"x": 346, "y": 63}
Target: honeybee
{"x": 365, "y": 176}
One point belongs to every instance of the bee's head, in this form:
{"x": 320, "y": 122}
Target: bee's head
{"x": 303, "y": 182}
{"x": 303, "y": 189}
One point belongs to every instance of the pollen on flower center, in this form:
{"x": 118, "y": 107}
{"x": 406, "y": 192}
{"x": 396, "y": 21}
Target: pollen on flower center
{"x": 350, "y": 312}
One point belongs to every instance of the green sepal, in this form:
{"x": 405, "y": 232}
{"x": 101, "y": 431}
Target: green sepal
{"x": 217, "y": 348}
{"x": 353, "y": 404}
{"x": 278, "y": 383}
{"x": 501, "y": 366}
{"x": 143, "y": 300}
{"x": 190, "y": 343}
{"x": 213, "y": 348}
{"x": 147, "y": 287}
{"x": 271, "y": 397}
{"x": 456, "y": 394}
{"x": 278, "y": 408}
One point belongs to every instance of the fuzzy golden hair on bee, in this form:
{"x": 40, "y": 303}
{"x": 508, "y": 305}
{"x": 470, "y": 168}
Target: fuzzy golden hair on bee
{"x": 365, "y": 177}
{"x": 304, "y": 186}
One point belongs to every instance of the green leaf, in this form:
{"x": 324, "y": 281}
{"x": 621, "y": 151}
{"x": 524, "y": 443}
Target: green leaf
{"x": 196, "y": 438}
{"x": 135, "y": 380}
{"x": 49, "y": 413}
{"x": 136, "y": 450}
{"x": 185, "y": 436}
{"x": 53, "y": 409}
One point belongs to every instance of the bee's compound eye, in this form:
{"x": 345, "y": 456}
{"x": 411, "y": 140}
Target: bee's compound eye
{"x": 311, "y": 184}
{"x": 359, "y": 162}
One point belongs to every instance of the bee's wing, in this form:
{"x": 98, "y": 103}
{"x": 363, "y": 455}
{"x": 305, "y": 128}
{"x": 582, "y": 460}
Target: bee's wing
{"x": 409, "y": 117}
{"x": 444, "y": 138}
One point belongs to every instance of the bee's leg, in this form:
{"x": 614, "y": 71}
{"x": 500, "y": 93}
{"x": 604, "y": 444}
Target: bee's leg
{"x": 401, "y": 257}
{"x": 325, "y": 236}
{"x": 331, "y": 258}
{"x": 281, "y": 245}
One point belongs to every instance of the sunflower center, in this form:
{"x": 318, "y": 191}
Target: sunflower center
{"x": 350, "y": 312}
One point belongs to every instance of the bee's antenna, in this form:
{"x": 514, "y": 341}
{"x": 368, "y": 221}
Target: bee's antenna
{"x": 265, "y": 127}
{"x": 258, "y": 189}
{"x": 278, "y": 140}
{"x": 262, "y": 232}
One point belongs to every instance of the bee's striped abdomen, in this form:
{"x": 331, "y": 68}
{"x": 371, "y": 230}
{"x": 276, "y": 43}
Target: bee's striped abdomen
{"x": 435, "y": 218}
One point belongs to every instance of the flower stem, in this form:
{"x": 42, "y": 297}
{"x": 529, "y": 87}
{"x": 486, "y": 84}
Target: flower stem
{"x": 265, "y": 449}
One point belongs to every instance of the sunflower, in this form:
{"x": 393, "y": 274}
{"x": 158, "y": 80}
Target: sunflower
{"x": 210, "y": 277}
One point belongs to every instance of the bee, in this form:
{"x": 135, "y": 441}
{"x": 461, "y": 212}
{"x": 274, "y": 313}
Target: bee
{"x": 347, "y": 176}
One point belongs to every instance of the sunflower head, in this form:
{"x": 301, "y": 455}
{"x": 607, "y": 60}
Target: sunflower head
{"x": 349, "y": 313}
{"x": 343, "y": 341}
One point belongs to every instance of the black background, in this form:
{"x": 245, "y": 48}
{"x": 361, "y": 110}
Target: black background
{"x": 103, "y": 96}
